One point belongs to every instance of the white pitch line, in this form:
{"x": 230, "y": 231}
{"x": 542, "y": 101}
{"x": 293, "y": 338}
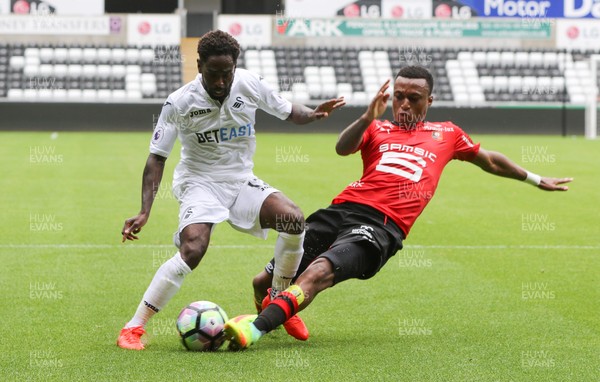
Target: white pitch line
{"x": 114, "y": 246}
{"x": 219, "y": 246}
{"x": 505, "y": 246}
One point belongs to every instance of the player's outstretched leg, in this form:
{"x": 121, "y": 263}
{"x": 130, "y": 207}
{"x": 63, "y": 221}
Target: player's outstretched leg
{"x": 316, "y": 278}
{"x": 242, "y": 331}
{"x": 294, "y": 326}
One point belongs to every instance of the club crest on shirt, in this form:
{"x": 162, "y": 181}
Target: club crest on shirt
{"x": 239, "y": 104}
{"x": 437, "y": 135}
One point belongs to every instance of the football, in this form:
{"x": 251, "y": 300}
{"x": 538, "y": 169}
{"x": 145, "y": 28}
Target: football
{"x": 200, "y": 325}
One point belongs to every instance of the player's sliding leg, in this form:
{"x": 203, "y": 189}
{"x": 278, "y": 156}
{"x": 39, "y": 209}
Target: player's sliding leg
{"x": 244, "y": 331}
{"x": 295, "y": 327}
{"x": 280, "y": 213}
{"x": 166, "y": 283}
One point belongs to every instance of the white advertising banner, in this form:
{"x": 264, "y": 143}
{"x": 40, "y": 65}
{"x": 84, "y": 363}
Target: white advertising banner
{"x": 4, "y": 7}
{"x": 577, "y": 34}
{"x": 57, "y": 7}
{"x": 54, "y": 25}
{"x": 248, "y": 30}
{"x": 332, "y": 8}
{"x": 153, "y": 29}
{"x": 406, "y": 9}
{"x": 397, "y": 9}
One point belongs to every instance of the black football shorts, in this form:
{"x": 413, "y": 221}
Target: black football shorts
{"x": 376, "y": 236}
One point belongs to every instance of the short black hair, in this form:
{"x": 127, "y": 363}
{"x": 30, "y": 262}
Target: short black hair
{"x": 415, "y": 71}
{"x": 218, "y": 43}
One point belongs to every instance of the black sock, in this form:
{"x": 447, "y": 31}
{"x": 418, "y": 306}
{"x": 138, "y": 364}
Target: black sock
{"x": 270, "y": 318}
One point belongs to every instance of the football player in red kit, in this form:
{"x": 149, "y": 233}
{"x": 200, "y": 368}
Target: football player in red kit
{"x": 367, "y": 222}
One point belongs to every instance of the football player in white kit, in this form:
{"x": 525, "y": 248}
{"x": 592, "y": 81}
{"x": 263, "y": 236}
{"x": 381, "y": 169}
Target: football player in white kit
{"x": 213, "y": 116}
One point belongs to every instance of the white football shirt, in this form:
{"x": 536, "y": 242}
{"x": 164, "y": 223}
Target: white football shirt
{"x": 217, "y": 141}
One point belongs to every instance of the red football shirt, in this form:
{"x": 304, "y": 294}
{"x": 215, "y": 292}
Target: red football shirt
{"x": 402, "y": 168}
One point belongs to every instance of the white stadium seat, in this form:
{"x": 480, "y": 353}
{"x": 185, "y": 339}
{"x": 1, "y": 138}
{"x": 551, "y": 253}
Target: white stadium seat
{"x": 75, "y": 55}
{"x": 46, "y": 54}
{"x": 31, "y": 70}
{"x": 89, "y": 94}
{"x": 90, "y": 55}
{"x": 119, "y": 94}
{"x": 492, "y": 58}
{"x": 479, "y": 58}
{"x": 515, "y": 84}
{"x": 465, "y": 56}
{"x": 536, "y": 58}
{"x": 117, "y": 55}
{"x": 104, "y": 54}
{"x": 32, "y": 52}
{"x": 30, "y": 94}
{"x": 147, "y": 55}
{"x": 301, "y": 97}
{"x": 359, "y": 98}
{"x": 17, "y": 62}
{"x": 461, "y": 98}
{"x": 134, "y": 95}
{"x": 61, "y": 54}
{"x": 134, "y": 69}
{"x": 267, "y": 54}
{"x": 75, "y": 71}
{"x": 61, "y": 70}
{"x": 132, "y": 55}
{"x": 487, "y": 82}
{"x": 59, "y": 94}
{"x": 344, "y": 89}
{"x": 507, "y": 58}
{"x": 15, "y": 93}
{"x": 104, "y": 71}
{"x": 118, "y": 71}
{"x": 500, "y": 83}
{"x": 45, "y": 94}
{"x": 32, "y": 60}
{"x": 104, "y": 95}
{"x": 74, "y": 94}
{"x": 521, "y": 59}
{"x": 46, "y": 70}
{"x": 89, "y": 71}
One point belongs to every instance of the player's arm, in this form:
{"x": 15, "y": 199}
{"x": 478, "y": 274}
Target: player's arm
{"x": 498, "y": 164}
{"x": 351, "y": 137}
{"x": 301, "y": 114}
{"x": 153, "y": 172}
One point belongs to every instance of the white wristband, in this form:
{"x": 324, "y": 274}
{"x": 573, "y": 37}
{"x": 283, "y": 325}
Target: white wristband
{"x": 533, "y": 179}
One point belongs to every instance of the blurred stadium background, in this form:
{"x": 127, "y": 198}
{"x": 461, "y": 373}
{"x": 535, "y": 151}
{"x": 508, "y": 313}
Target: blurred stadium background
{"x": 501, "y": 66}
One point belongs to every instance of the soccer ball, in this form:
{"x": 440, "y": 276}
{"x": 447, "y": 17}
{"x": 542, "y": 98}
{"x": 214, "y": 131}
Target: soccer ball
{"x": 200, "y": 325}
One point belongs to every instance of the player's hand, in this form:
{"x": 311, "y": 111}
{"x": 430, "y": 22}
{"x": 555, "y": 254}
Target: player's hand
{"x": 324, "y": 109}
{"x": 133, "y": 226}
{"x": 554, "y": 184}
{"x": 379, "y": 103}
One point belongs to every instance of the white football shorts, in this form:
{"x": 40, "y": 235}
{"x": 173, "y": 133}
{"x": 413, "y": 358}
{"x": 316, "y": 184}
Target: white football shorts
{"x": 238, "y": 202}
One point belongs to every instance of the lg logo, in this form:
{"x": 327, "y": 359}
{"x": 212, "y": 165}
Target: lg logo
{"x": 146, "y": 27}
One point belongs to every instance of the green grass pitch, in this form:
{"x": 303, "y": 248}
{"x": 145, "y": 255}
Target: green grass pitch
{"x": 498, "y": 281}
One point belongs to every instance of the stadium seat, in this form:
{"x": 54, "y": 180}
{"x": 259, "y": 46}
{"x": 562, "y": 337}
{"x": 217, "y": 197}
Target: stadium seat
{"x": 89, "y": 55}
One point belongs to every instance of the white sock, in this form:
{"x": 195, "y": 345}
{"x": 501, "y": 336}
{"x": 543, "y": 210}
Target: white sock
{"x": 164, "y": 285}
{"x": 288, "y": 253}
